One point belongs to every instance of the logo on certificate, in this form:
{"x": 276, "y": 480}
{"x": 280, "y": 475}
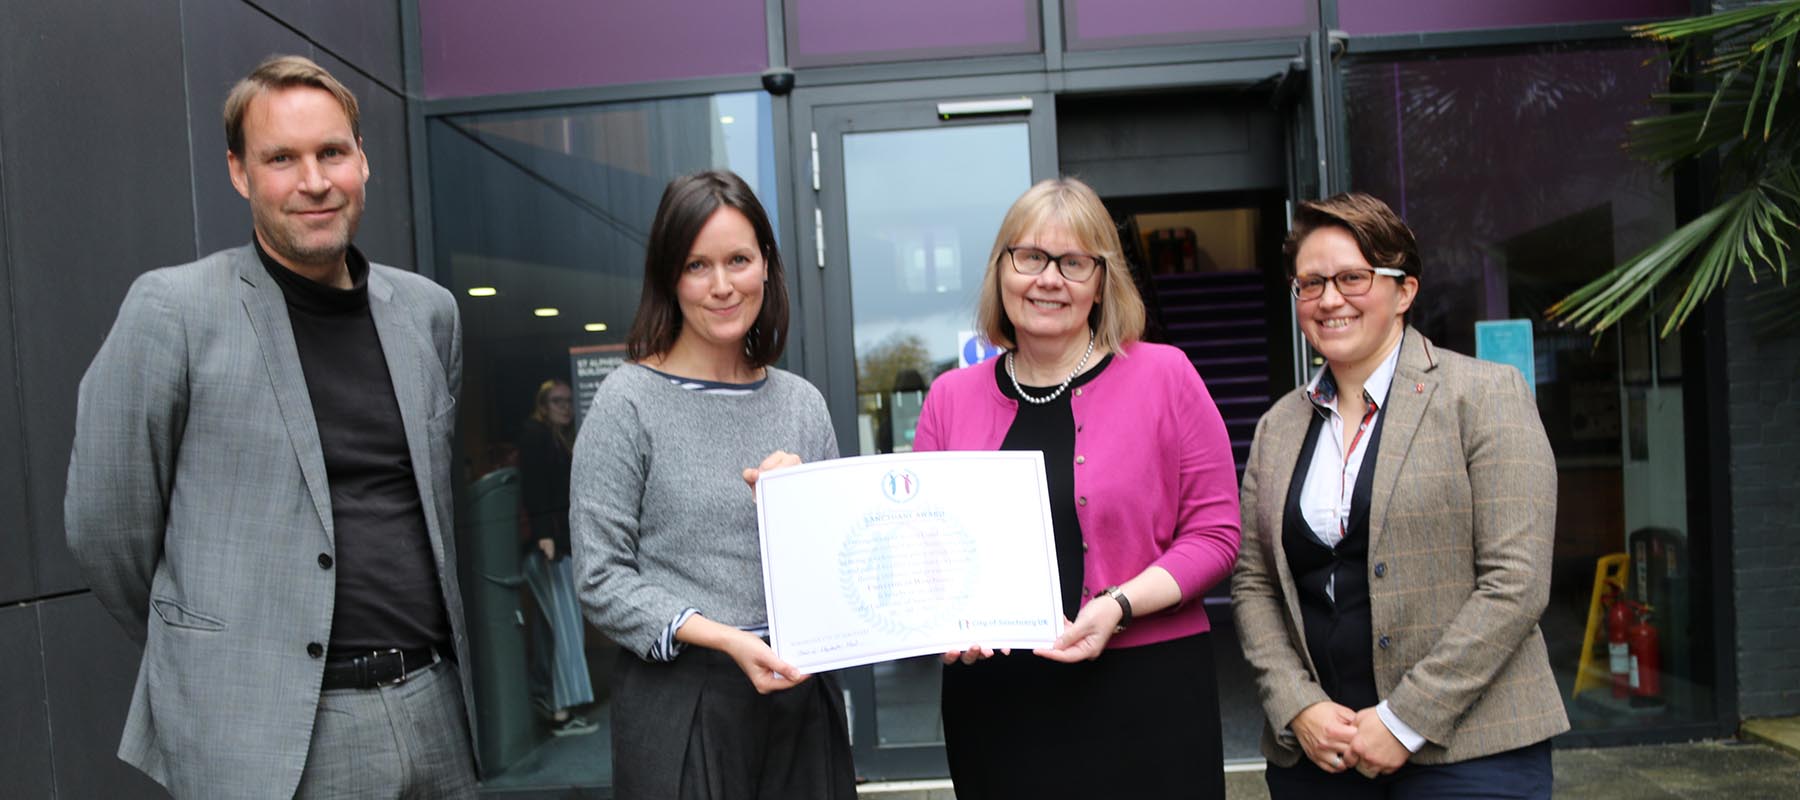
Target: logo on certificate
{"x": 900, "y": 485}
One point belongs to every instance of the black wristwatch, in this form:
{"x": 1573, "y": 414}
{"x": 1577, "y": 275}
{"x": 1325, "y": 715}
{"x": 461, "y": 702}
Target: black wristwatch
{"x": 1118, "y": 596}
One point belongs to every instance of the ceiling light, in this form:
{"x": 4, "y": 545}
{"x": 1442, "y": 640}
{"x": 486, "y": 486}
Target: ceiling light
{"x": 594, "y": 327}
{"x": 727, "y": 119}
{"x": 483, "y": 291}
{"x": 545, "y": 312}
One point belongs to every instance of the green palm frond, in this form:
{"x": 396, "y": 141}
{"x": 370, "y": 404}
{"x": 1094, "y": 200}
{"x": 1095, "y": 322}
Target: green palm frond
{"x": 1751, "y": 119}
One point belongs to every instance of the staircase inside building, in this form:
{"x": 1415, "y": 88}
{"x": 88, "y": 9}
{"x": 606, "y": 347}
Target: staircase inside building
{"x": 1220, "y": 320}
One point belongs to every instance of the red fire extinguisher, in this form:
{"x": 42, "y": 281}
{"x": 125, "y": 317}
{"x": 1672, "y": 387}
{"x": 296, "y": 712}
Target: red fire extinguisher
{"x": 1646, "y": 660}
{"x": 1618, "y": 648}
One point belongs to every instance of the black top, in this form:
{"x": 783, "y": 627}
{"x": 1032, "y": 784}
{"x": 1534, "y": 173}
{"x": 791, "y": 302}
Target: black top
{"x": 387, "y": 581}
{"x": 1337, "y": 621}
{"x": 544, "y": 467}
{"x": 1050, "y": 429}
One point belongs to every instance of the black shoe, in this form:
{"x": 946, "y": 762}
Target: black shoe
{"x": 573, "y": 726}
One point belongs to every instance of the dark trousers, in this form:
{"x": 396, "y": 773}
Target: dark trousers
{"x": 1524, "y": 773}
{"x": 696, "y": 729}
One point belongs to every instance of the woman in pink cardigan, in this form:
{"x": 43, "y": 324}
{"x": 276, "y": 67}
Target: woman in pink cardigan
{"x": 1143, "y": 496}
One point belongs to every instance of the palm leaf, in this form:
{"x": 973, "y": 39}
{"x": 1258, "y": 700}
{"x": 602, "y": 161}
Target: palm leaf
{"x": 1748, "y": 56}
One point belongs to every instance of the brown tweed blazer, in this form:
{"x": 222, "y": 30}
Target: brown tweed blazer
{"x": 1461, "y": 524}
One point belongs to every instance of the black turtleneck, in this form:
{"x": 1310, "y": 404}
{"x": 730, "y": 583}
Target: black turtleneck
{"x": 387, "y": 584}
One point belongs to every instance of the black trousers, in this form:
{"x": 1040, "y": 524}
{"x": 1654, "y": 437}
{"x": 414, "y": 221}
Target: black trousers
{"x": 1135, "y": 722}
{"x": 1524, "y": 774}
{"x": 695, "y": 729}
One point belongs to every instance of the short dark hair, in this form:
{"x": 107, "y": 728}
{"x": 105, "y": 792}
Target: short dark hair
{"x": 283, "y": 72}
{"x": 1381, "y": 235}
{"x": 687, "y": 203}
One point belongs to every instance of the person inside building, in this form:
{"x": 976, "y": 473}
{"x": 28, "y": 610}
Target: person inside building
{"x": 668, "y": 562}
{"x": 1143, "y": 500}
{"x": 559, "y": 669}
{"x": 1399, "y": 511}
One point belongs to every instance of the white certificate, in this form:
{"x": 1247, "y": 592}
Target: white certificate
{"x": 881, "y": 557}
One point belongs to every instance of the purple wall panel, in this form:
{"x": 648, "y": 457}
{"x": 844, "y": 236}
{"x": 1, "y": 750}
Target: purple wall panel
{"x": 475, "y": 47}
{"x": 838, "y": 31}
{"x": 1362, "y": 17}
{"x": 1094, "y": 24}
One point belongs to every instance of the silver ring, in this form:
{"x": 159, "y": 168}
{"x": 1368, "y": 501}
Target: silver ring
{"x": 1337, "y": 760}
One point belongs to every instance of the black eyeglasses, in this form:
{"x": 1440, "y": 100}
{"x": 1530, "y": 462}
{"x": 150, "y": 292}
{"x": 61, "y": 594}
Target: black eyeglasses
{"x": 1349, "y": 283}
{"x": 1076, "y": 267}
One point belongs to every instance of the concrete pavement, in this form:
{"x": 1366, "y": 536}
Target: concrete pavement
{"x": 1747, "y": 769}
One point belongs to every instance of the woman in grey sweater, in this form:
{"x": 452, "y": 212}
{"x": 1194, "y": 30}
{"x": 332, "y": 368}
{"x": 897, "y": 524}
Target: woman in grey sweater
{"x": 664, "y": 530}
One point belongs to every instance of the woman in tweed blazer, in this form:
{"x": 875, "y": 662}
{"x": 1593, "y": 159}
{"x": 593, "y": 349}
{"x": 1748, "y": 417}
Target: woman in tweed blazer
{"x": 1399, "y": 514}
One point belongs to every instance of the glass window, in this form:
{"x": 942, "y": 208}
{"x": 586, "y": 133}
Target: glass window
{"x": 917, "y": 256}
{"x": 477, "y": 47}
{"x": 1509, "y": 167}
{"x": 540, "y": 220}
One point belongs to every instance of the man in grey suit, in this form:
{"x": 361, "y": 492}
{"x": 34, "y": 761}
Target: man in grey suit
{"x": 260, "y": 486}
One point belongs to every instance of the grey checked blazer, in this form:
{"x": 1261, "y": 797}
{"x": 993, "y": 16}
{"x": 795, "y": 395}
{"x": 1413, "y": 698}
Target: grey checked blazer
{"x": 198, "y": 507}
{"x": 1462, "y": 521}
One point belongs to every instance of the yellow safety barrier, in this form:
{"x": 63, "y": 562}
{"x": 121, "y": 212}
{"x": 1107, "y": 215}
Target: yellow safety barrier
{"x": 1593, "y": 673}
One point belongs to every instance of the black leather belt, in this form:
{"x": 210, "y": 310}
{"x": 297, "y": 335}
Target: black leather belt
{"x": 376, "y": 669}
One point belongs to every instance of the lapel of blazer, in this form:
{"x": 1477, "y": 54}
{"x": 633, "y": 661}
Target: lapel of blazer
{"x": 1408, "y": 397}
{"x": 401, "y": 345}
{"x": 1285, "y": 434}
{"x": 275, "y": 337}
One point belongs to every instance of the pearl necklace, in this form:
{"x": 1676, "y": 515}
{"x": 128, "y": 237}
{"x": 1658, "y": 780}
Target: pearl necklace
{"x": 1038, "y": 401}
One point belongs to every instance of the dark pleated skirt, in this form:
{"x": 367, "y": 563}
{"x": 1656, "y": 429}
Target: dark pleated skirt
{"x": 695, "y": 729}
{"x": 1136, "y": 722}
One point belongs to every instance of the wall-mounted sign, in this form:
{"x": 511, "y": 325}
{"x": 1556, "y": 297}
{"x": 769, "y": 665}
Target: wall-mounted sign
{"x": 590, "y": 365}
{"x": 1508, "y": 341}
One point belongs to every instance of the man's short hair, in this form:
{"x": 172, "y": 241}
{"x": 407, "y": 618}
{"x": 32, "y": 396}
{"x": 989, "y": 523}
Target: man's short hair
{"x": 282, "y": 72}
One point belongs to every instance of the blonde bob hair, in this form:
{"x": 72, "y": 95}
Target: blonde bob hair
{"x": 1118, "y": 314}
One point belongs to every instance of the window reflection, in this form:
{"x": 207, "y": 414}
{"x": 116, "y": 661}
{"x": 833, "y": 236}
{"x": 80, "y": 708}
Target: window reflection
{"x": 1509, "y": 167}
{"x": 922, "y": 208}
{"x": 550, "y": 209}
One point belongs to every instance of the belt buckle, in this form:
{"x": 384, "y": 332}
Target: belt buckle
{"x": 399, "y": 656}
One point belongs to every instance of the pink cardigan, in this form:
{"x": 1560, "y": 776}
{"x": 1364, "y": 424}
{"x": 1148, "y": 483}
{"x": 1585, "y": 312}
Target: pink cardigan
{"x": 1154, "y": 479}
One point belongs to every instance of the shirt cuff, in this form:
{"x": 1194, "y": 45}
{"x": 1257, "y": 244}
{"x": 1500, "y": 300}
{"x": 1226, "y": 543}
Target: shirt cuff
{"x": 1402, "y": 731}
{"x": 666, "y": 648}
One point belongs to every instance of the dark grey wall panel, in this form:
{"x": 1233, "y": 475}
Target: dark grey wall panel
{"x": 17, "y": 580}
{"x": 365, "y": 33}
{"x": 386, "y": 232}
{"x": 93, "y": 119}
{"x": 89, "y": 669}
{"x": 24, "y": 718}
{"x": 1178, "y": 143}
{"x": 223, "y": 42}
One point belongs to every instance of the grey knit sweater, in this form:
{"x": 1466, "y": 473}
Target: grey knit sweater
{"x": 660, "y": 518}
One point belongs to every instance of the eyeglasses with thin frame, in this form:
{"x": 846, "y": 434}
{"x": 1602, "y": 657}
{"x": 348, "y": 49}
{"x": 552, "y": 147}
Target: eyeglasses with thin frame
{"x": 1077, "y": 267}
{"x": 1349, "y": 283}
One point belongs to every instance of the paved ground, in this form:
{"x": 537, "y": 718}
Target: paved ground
{"x": 1739, "y": 770}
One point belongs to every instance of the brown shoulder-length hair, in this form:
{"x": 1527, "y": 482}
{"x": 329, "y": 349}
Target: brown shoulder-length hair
{"x": 1118, "y": 314}
{"x": 283, "y": 72}
{"x": 1381, "y": 235}
{"x": 687, "y": 204}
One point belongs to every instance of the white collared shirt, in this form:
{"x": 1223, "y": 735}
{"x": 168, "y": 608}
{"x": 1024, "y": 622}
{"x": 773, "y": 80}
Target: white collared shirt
{"x": 1331, "y": 482}
{"x": 1331, "y": 478}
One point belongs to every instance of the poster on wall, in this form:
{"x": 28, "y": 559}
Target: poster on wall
{"x": 590, "y": 365}
{"x": 1508, "y": 341}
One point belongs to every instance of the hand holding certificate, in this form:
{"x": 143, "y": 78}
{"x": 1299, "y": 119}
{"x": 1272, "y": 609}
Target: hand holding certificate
{"x": 882, "y": 557}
